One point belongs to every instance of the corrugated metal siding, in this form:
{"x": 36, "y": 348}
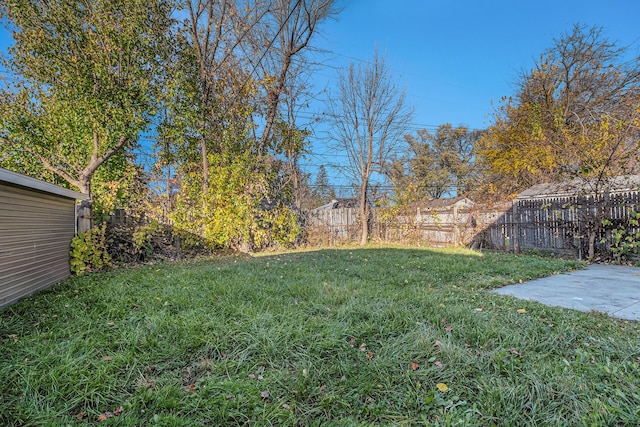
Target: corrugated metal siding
{"x": 35, "y": 236}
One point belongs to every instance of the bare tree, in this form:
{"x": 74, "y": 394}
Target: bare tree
{"x": 369, "y": 117}
{"x": 233, "y": 47}
{"x": 295, "y": 24}
{"x": 293, "y": 138}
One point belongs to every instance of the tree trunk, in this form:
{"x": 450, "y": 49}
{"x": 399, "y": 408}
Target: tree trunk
{"x": 296, "y": 182}
{"x": 84, "y": 185}
{"x": 273, "y": 100}
{"x": 168, "y": 205}
{"x": 205, "y": 175}
{"x": 592, "y": 244}
{"x": 364, "y": 212}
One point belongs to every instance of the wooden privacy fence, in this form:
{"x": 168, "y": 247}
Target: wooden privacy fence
{"x": 563, "y": 224}
{"x": 442, "y": 226}
{"x": 331, "y": 226}
{"x": 451, "y": 225}
{"x": 556, "y": 224}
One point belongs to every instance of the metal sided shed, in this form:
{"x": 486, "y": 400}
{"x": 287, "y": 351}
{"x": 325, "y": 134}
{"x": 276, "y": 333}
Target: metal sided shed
{"x": 37, "y": 223}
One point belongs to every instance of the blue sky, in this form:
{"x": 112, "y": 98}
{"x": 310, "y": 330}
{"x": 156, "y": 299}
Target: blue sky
{"x": 455, "y": 58}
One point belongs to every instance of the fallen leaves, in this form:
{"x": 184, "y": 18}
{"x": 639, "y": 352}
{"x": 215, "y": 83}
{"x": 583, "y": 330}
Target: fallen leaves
{"x": 258, "y": 373}
{"x": 515, "y": 352}
{"x": 105, "y": 415}
{"x": 415, "y": 366}
{"x": 448, "y": 328}
{"x": 191, "y": 390}
{"x": 435, "y": 362}
{"x": 442, "y": 387}
{"x": 362, "y": 347}
{"x": 521, "y": 310}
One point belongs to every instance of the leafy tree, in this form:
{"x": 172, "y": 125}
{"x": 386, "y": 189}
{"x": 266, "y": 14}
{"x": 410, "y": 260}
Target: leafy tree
{"x": 441, "y": 162}
{"x": 227, "y": 53}
{"x": 225, "y": 111}
{"x": 207, "y": 108}
{"x": 210, "y": 82}
{"x": 322, "y": 191}
{"x": 369, "y": 116}
{"x": 573, "y": 117}
{"x": 238, "y": 216}
{"x": 84, "y": 87}
{"x": 290, "y": 142}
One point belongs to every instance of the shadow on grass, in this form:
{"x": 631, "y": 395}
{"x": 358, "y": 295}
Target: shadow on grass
{"x": 453, "y": 266}
{"x": 374, "y": 335}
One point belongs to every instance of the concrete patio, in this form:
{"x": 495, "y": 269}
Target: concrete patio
{"x": 607, "y": 288}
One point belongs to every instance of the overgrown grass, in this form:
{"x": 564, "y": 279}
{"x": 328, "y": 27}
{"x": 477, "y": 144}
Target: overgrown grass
{"x": 330, "y": 337}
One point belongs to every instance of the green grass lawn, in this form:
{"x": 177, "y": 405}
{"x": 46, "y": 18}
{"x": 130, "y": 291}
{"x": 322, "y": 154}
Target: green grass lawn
{"x": 373, "y": 336}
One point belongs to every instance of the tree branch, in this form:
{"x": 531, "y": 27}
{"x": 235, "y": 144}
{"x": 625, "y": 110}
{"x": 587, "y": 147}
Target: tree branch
{"x": 45, "y": 162}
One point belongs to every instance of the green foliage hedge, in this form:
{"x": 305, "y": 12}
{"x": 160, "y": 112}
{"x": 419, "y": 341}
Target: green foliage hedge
{"x": 89, "y": 251}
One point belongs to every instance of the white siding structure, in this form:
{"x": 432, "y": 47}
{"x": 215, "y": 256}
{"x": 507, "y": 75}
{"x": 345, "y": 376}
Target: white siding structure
{"x": 37, "y": 223}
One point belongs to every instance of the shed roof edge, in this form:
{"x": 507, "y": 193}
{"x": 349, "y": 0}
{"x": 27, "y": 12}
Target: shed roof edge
{"x": 16, "y": 178}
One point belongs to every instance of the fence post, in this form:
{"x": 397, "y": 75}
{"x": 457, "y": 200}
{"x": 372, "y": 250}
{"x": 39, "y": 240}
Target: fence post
{"x": 455, "y": 225}
{"x": 84, "y": 217}
{"x": 516, "y": 228}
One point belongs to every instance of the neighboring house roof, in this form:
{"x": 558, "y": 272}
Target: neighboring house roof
{"x": 35, "y": 184}
{"x": 337, "y": 204}
{"x": 443, "y": 203}
{"x": 577, "y": 187}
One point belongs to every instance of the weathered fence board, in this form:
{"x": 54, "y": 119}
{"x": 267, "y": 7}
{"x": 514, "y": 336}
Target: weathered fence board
{"x": 556, "y": 224}
{"x": 437, "y": 227}
{"x": 332, "y": 226}
{"x": 562, "y": 224}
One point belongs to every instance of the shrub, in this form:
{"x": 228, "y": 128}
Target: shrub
{"x": 625, "y": 242}
{"x": 89, "y": 251}
{"x": 143, "y": 239}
